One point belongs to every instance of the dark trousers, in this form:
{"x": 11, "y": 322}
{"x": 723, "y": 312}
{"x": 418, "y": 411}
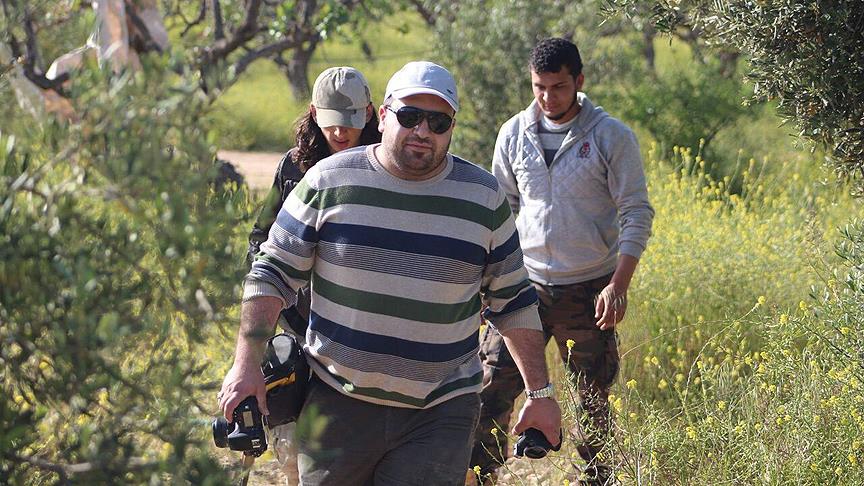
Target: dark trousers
{"x": 567, "y": 312}
{"x": 360, "y": 443}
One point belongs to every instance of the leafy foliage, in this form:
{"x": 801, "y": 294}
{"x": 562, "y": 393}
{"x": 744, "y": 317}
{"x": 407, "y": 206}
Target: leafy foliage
{"x": 118, "y": 255}
{"x": 806, "y": 55}
{"x": 488, "y": 44}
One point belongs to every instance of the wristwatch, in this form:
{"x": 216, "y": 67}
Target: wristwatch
{"x": 547, "y": 391}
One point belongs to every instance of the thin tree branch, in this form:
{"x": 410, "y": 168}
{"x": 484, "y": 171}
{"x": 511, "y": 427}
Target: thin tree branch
{"x": 273, "y": 50}
{"x": 41, "y": 464}
{"x": 218, "y": 21}
{"x": 202, "y": 13}
{"x": 223, "y": 47}
{"x": 65, "y": 470}
{"x": 428, "y": 16}
{"x": 30, "y": 56}
{"x": 33, "y": 56}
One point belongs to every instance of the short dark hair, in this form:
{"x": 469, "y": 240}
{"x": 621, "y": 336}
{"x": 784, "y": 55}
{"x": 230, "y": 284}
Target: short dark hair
{"x": 550, "y": 55}
{"x": 312, "y": 146}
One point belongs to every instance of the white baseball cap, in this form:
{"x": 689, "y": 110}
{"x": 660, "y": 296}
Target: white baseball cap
{"x": 423, "y": 77}
{"x": 340, "y": 96}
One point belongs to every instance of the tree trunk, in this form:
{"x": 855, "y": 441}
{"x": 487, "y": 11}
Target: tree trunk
{"x": 296, "y": 69}
{"x": 648, "y": 34}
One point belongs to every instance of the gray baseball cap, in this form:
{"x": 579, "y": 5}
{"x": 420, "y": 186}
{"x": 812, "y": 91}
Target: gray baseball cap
{"x": 340, "y": 96}
{"x": 423, "y": 77}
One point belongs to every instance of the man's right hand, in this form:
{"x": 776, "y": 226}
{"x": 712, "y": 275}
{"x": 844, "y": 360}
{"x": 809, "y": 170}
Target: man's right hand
{"x": 240, "y": 382}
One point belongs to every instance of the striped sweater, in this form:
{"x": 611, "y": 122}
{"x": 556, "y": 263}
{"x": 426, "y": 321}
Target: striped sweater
{"x": 399, "y": 272}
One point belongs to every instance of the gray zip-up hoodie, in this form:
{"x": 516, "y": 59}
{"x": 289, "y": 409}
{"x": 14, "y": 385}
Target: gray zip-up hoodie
{"x": 576, "y": 215}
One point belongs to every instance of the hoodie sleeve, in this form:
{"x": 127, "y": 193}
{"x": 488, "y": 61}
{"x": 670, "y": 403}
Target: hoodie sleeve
{"x": 502, "y": 167}
{"x": 627, "y": 186}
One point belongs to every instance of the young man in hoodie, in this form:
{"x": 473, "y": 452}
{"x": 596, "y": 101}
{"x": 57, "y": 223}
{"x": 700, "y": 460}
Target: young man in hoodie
{"x": 573, "y": 176}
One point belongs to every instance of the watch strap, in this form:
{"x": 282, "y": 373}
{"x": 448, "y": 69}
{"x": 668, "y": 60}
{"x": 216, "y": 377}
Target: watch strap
{"x": 547, "y": 391}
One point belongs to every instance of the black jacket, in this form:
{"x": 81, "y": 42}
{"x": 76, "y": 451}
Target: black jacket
{"x": 288, "y": 175}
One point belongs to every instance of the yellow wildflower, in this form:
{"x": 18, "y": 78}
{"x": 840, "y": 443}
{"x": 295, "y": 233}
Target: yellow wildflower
{"x": 631, "y": 384}
{"x": 570, "y": 344}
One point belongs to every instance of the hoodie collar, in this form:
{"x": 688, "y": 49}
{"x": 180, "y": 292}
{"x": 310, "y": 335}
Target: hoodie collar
{"x": 588, "y": 116}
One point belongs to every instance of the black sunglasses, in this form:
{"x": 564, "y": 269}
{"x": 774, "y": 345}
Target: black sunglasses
{"x": 410, "y": 117}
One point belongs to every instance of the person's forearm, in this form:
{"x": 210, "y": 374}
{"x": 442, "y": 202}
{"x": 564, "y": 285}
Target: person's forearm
{"x": 528, "y": 349}
{"x": 624, "y": 272}
{"x": 257, "y": 323}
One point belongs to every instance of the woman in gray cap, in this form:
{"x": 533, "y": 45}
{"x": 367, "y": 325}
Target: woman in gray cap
{"x": 340, "y": 117}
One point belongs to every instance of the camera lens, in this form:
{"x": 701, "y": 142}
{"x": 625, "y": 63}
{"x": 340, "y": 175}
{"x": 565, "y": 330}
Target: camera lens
{"x": 220, "y": 432}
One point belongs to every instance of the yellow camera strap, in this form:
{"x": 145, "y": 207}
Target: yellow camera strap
{"x": 282, "y": 381}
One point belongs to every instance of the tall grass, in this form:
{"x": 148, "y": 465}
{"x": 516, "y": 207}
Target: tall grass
{"x": 742, "y": 352}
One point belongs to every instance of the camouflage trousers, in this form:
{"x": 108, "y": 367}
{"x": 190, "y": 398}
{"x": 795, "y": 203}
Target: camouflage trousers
{"x": 567, "y": 312}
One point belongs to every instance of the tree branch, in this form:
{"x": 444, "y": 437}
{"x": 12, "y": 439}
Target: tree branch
{"x": 33, "y": 56}
{"x": 428, "y": 16}
{"x": 218, "y": 21}
{"x": 30, "y": 56}
{"x": 65, "y": 470}
{"x": 274, "y": 50}
{"x": 223, "y": 47}
{"x": 41, "y": 464}
{"x": 202, "y": 13}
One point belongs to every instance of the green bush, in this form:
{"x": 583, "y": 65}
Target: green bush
{"x": 118, "y": 255}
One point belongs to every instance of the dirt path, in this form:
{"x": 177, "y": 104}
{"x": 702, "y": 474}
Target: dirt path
{"x": 257, "y": 168}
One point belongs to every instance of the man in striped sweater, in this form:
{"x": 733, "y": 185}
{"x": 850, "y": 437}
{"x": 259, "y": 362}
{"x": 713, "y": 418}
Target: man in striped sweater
{"x": 403, "y": 244}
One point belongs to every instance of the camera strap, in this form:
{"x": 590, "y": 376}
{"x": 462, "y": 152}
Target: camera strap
{"x": 246, "y": 465}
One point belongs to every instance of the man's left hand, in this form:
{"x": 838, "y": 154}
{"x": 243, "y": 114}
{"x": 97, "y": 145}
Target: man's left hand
{"x": 542, "y": 414}
{"x": 610, "y": 307}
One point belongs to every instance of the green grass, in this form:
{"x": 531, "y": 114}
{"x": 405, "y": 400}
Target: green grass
{"x": 259, "y": 111}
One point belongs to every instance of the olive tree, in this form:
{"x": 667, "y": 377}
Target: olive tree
{"x": 806, "y": 55}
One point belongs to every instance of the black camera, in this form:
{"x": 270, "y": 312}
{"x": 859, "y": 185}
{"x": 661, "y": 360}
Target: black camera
{"x": 533, "y": 444}
{"x": 245, "y": 432}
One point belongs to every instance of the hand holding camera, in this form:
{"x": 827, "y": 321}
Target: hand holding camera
{"x": 245, "y": 431}
{"x": 533, "y": 444}
{"x": 280, "y": 383}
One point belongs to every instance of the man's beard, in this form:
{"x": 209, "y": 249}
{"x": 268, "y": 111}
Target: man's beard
{"x": 561, "y": 115}
{"x": 418, "y": 163}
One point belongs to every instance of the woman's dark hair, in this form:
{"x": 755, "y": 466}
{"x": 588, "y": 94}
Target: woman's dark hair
{"x": 312, "y": 146}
